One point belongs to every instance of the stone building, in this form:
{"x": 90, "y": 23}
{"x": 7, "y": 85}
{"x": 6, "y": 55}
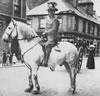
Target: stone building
{"x": 77, "y": 20}
{"x": 8, "y": 9}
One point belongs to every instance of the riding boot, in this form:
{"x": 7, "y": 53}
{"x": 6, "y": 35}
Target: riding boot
{"x": 46, "y": 57}
{"x": 48, "y": 48}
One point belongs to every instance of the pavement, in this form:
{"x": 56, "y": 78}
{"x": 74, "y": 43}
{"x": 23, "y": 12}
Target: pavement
{"x": 14, "y": 80}
{"x": 17, "y": 64}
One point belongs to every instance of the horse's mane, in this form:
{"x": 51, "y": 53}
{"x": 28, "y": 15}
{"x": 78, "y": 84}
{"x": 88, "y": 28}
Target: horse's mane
{"x": 26, "y": 31}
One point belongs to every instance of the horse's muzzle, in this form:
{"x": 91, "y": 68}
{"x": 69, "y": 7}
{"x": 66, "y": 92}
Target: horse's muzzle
{"x": 6, "y": 41}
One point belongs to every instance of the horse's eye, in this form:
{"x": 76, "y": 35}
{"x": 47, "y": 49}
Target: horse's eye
{"x": 9, "y": 28}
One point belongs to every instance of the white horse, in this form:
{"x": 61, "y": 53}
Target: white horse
{"x": 33, "y": 54}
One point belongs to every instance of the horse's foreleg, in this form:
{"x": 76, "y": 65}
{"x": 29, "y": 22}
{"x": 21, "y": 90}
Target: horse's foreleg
{"x": 35, "y": 78}
{"x": 37, "y": 87}
{"x": 30, "y": 81}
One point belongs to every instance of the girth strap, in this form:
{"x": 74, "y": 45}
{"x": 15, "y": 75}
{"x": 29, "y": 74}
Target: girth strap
{"x": 22, "y": 56}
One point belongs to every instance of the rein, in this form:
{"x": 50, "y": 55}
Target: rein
{"x": 28, "y": 51}
{"x": 23, "y": 61}
{"x": 26, "y": 39}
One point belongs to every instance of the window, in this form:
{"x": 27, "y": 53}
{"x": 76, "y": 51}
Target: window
{"x": 69, "y": 21}
{"x": 60, "y": 22}
{"x": 84, "y": 26}
{"x": 98, "y": 31}
{"x": 1, "y": 24}
{"x": 17, "y": 8}
{"x": 83, "y": 1}
{"x": 29, "y": 22}
{"x": 89, "y": 25}
{"x": 93, "y": 27}
{"x": 42, "y": 23}
{"x": 76, "y": 23}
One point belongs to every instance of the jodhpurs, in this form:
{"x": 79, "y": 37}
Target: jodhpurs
{"x": 47, "y": 52}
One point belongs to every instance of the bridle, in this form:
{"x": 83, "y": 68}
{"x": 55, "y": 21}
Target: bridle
{"x": 10, "y": 39}
{"x": 9, "y": 35}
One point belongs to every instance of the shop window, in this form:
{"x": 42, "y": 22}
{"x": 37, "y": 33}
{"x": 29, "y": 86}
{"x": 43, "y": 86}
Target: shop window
{"x": 17, "y": 8}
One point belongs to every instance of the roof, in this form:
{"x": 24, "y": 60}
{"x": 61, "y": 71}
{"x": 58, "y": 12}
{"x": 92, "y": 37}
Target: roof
{"x": 63, "y": 6}
{"x": 33, "y": 3}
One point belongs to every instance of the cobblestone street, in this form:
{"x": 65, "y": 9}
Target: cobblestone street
{"x": 14, "y": 80}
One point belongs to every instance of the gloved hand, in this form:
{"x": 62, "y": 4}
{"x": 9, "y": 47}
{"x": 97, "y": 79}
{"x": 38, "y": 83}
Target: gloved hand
{"x": 43, "y": 34}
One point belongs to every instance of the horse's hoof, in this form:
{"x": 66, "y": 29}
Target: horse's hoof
{"x": 35, "y": 92}
{"x": 38, "y": 88}
{"x": 44, "y": 64}
{"x": 28, "y": 89}
{"x": 71, "y": 90}
{"x": 51, "y": 69}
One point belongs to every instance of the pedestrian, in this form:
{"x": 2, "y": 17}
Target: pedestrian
{"x": 4, "y": 58}
{"x": 8, "y": 58}
{"x": 91, "y": 60}
{"x": 14, "y": 59}
{"x": 51, "y": 31}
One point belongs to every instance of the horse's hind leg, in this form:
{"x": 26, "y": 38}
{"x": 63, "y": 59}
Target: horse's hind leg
{"x": 73, "y": 79}
{"x": 72, "y": 74}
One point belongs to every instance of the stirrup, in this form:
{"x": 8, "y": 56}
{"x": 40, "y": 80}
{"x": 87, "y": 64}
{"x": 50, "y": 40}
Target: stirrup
{"x": 45, "y": 65}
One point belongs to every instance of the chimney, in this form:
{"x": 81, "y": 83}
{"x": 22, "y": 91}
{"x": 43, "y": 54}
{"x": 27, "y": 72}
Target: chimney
{"x": 87, "y": 5}
{"x": 72, "y": 2}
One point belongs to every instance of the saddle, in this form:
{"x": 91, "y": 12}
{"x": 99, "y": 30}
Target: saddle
{"x": 56, "y": 47}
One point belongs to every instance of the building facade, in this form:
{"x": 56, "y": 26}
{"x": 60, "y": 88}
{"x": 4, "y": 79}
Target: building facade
{"x": 9, "y": 9}
{"x": 77, "y": 20}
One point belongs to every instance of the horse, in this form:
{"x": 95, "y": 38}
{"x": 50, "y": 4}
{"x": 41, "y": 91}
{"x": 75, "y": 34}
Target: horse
{"x": 32, "y": 54}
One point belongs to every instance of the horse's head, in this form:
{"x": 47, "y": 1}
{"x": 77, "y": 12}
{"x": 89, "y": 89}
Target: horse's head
{"x": 18, "y": 31}
{"x": 10, "y": 32}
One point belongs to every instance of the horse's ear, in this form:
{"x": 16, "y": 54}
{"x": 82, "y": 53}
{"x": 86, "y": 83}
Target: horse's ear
{"x": 13, "y": 21}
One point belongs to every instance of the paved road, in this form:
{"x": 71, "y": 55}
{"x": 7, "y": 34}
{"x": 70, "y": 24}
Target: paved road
{"x": 13, "y": 81}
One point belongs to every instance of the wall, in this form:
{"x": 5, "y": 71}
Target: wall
{"x": 6, "y": 12}
{"x": 23, "y": 9}
{"x": 3, "y": 24}
{"x": 6, "y": 7}
{"x": 35, "y": 23}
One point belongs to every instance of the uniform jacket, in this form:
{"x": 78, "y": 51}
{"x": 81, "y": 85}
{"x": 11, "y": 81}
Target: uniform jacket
{"x": 52, "y": 31}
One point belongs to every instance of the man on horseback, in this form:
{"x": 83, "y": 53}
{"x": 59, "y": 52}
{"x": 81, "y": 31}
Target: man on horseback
{"x": 51, "y": 31}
